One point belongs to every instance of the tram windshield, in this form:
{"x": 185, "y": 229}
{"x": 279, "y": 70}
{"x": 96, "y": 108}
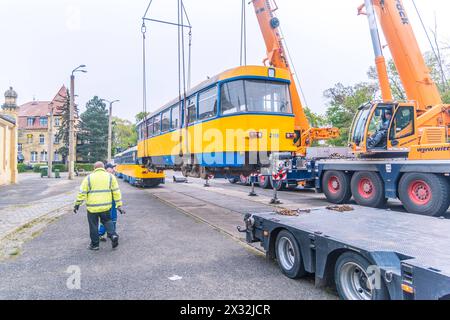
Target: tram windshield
{"x": 255, "y": 96}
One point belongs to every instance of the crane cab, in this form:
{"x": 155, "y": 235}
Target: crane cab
{"x": 384, "y": 128}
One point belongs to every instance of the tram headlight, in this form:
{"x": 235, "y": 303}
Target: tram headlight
{"x": 290, "y": 135}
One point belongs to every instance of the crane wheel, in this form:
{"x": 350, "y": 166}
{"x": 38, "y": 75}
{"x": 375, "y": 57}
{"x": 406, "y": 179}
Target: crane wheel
{"x": 336, "y": 187}
{"x": 264, "y": 182}
{"x": 424, "y": 193}
{"x": 368, "y": 189}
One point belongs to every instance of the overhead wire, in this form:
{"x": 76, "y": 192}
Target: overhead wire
{"x": 436, "y": 55}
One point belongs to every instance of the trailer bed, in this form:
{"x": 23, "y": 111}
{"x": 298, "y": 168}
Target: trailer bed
{"x": 420, "y": 242}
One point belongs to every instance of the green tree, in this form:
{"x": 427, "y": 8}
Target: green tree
{"x": 94, "y": 131}
{"x": 64, "y": 129}
{"x": 343, "y": 104}
{"x": 124, "y": 135}
{"x": 315, "y": 120}
{"x": 141, "y": 116}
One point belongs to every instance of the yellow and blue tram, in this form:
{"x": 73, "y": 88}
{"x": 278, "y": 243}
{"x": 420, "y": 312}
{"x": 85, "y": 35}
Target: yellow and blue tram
{"x": 131, "y": 169}
{"x": 228, "y": 125}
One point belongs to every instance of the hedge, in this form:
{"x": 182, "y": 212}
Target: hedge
{"x": 61, "y": 167}
{"x": 22, "y": 167}
{"x": 88, "y": 167}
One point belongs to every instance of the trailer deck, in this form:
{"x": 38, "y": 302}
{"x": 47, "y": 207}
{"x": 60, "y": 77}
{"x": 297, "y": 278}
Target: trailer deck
{"x": 401, "y": 244}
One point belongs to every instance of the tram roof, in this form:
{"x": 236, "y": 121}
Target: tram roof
{"x": 126, "y": 151}
{"x": 244, "y": 71}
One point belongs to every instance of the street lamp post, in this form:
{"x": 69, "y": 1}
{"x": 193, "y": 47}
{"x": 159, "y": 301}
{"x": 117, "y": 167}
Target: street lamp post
{"x": 110, "y": 128}
{"x": 72, "y": 140}
{"x": 50, "y": 141}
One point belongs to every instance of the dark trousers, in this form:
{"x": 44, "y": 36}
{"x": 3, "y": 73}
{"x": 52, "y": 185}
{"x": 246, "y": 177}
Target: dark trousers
{"x": 105, "y": 219}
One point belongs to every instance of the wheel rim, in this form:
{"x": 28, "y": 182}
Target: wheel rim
{"x": 366, "y": 188}
{"x": 354, "y": 282}
{"x": 262, "y": 180}
{"x": 286, "y": 253}
{"x": 334, "y": 185}
{"x": 420, "y": 192}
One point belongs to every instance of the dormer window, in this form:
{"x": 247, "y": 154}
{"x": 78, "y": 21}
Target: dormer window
{"x": 30, "y": 122}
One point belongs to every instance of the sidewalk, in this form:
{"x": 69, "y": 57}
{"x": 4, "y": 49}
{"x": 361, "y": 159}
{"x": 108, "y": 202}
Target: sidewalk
{"x": 15, "y": 217}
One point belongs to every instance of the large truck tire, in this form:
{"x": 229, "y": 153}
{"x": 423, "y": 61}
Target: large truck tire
{"x": 355, "y": 279}
{"x": 264, "y": 182}
{"x": 289, "y": 256}
{"x": 424, "y": 193}
{"x": 336, "y": 187}
{"x": 368, "y": 189}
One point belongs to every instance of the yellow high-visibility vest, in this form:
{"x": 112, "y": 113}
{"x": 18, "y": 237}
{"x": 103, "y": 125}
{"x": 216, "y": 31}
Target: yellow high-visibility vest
{"x": 98, "y": 190}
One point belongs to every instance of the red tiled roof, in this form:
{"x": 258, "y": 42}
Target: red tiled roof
{"x": 37, "y": 109}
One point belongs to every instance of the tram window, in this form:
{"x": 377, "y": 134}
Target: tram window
{"x": 175, "y": 117}
{"x": 165, "y": 124}
{"x": 157, "y": 125}
{"x": 267, "y": 96}
{"x": 233, "y": 97}
{"x": 207, "y": 104}
{"x": 192, "y": 110}
{"x": 149, "y": 127}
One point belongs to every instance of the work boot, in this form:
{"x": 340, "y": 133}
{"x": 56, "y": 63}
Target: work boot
{"x": 115, "y": 241}
{"x": 93, "y": 247}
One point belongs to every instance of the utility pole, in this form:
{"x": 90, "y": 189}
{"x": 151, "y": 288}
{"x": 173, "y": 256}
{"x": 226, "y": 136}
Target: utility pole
{"x": 110, "y": 128}
{"x": 72, "y": 139}
{"x": 50, "y": 141}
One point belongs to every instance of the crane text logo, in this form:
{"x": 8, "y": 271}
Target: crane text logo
{"x": 402, "y": 12}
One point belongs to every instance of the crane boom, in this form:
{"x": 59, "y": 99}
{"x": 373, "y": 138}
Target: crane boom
{"x": 414, "y": 73}
{"x": 276, "y": 56}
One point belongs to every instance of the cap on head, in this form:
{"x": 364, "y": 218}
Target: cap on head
{"x": 99, "y": 165}
{"x": 109, "y": 166}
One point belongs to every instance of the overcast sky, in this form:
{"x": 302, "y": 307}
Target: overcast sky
{"x": 42, "y": 41}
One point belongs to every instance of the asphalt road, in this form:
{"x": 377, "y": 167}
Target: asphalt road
{"x": 163, "y": 254}
{"x": 32, "y": 187}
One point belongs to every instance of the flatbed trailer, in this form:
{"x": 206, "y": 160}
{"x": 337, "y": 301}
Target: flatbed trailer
{"x": 369, "y": 254}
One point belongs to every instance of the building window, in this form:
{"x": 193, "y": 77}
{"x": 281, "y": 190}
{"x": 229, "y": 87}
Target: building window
{"x": 56, "y": 139}
{"x": 44, "y": 156}
{"x": 41, "y": 139}
{"x": 34, "y": 156}
{"x": 30, "y": 122}
{"x": 57, "y": 122}
{"x": 43, "y": 121}
{"x": 19, "y": 147}
{"x": 56, "y": 157}
{"x": 29, "y": 138}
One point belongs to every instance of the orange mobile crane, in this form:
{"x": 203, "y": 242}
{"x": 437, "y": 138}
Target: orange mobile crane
{"x": 418, "y": 128}
{"x": 277, "y": 57}
{"x": 400, "y": 149}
